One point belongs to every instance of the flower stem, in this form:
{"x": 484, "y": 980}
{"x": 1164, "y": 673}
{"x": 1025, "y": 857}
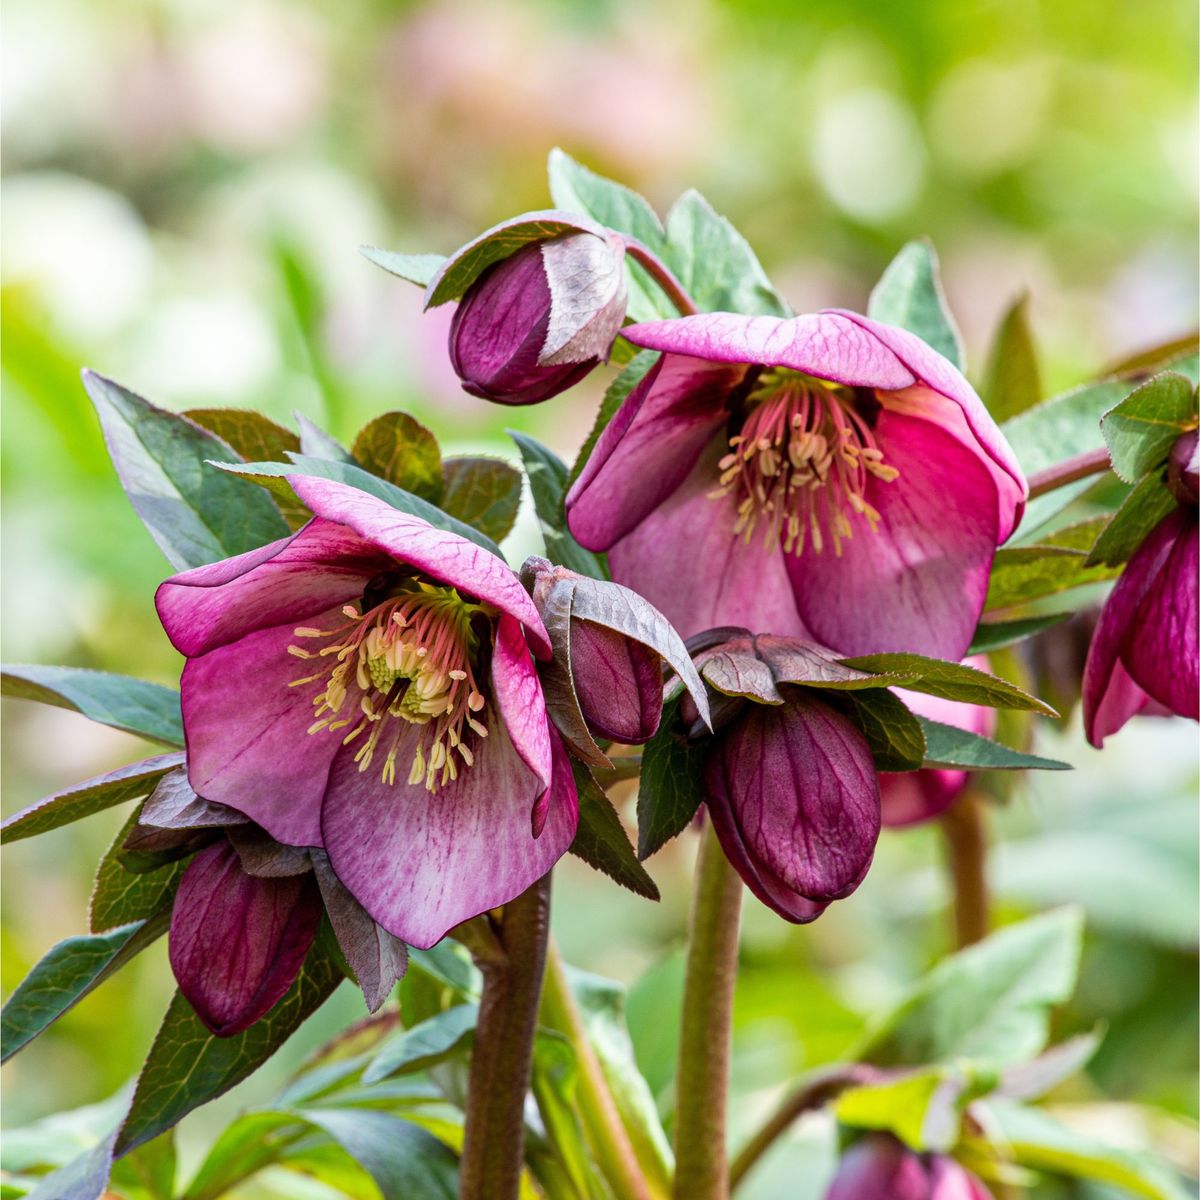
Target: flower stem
{"x": 702, "y": 1081}
{"x": 502, "y": 1058}
{"x": 966, "y": 857}
{"x": 607, "y": 1136}
{"x": 1090, "y": 462}
{"x": 662, "y": 275}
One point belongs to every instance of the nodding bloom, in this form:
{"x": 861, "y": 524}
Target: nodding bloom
{"x": 368, "y": 686}
{"x": 823, "y": 475}
{"x": 881, "y": 1167}
{"x": 912, "y": 796}
{"x": 1144, "y": 656}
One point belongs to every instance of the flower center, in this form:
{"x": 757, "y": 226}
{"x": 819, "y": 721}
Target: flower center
{"x": 409, "y": 660}
{"x": 800, "y": 464}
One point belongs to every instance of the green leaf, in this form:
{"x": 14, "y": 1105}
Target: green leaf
{"x": 951, "y": 681}
{"x": 671, "y": 785}
{"x": 893, "y": 733}
{"x": 316, "y": 443}
{"x": 93, "y": 796}
{"x": 196, "y": 515}
{"x": 148, "y": 1173}
{"x": 398, "y": 448}
{"x": 83, "y": 1178}
{"x": 922, "y": 1108}
{"x": 989, "y": 1003}
{"x": 909, "y": 294}
{"x": 448, "y": 964}
{"x": 1144, "y": 507}
{"x": 424, "y": 1045}
{"x": 133, "y": 705}
{"x": 1140, "y": 431}
{"x": 1037, "y": 1140}
{"x": 68, "y": 973}
{"x": 1172, "y": 353}
{"x": 253, "y": 1141}
{"x": 601, "y": 840}
{"x": 271, "y": 476}
{"x": 1021, "y": 574}
{"x": 715, "y": 263}
{"x": 120, "y": 896}
{"x": 547, "y": 476}
{"x": 615, "y": 395}
{"x": 187, "y": 1066}
{"x": 949, "y": 746}
{"x": 996, "y": 635}
{"x": 1012, "y": 381}
{"x": 485, "y": 493}
{"x": 415, "y": 268}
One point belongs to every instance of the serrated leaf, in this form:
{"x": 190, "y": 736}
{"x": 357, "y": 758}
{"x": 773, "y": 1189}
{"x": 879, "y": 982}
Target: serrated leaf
{"x": 989, "y": 1003}
{"x": 1140, "y": 431}
{"x": 120, "y": 896}
{"x": 68, "y": 973}
{"x": 671, "y": 785}
{"x": 316, "y": 443}
{"x": 195, "y": 515}
{"x": 1144, "y": 507}
{"x": 547, "y": 475}
{"x": 423, "y": 1045}
{"x": 996, "y": 635}
{"x": 187, "y": 1066}
{"x": 1056, "y": 564}
{"x": 909, "y": 294}
{"x": 615, "y": 395}
{"x": 485, "y": 493}
{"x": 1012, "y": 380}
{"x": 954, "y": 748}
{"x": 894, "y": 735}
{"x": 133, "y": 705}
{"x": 601, "y": 840}
{"x": 92, "y": 796}
{"x": 950, "y": 681}
{"x": 398, "y": 448}
{"x": 272, "y": 475}
{"x": 415, "y": 268}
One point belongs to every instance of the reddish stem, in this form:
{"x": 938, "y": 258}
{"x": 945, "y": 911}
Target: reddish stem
{"x": 1090, "y": 462}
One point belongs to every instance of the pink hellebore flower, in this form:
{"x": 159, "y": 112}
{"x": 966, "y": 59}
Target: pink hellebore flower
{"x": 880, "y": 1167}
{"x": 367, "y": 686}
{"x": 912, "y": 796}
{"x": 823, "y": 475}
{"x": 1145, "y": 656}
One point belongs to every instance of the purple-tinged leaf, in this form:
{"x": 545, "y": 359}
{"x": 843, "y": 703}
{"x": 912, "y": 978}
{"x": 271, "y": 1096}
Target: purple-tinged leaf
{"x": 485, "y": 493}
{"x": 265, "y": 858}
{"x": 174, "y": 805}
{"x": 398, "y": 448}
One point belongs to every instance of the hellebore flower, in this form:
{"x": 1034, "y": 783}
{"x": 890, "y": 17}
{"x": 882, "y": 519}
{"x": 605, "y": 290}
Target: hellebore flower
{"x": 367, "y": 686}
{"x": 880, "y": 1167}
{"x": 1144, "y": 655}
{"x": 535, "y": 323}
{"x": 911, "y": 796}
{"x": 823, "y": 475}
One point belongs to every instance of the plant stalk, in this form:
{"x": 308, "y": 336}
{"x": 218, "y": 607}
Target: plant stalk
{"x": 702, "y": 1081}
{"x": 502, "y": 1058}
{"x": 1090, "y": 462}
{"x": 966, "y": 857}
{"x": 662, "y": 275}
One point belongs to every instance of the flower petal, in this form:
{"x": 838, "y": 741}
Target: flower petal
{"x": 422, "y": 862}
{"x": 879, "y": 1167}
{"x": 686, "y": 560}
{"x": 237, "y": 941}
{"x": 437, "y": 553}
{"x": 618, "y": 681}
{"x": 517, "y": 692}
{"x": 919, "y": 582}
{"x": 648, "y": 448}
{"x": 949, "y": 1180}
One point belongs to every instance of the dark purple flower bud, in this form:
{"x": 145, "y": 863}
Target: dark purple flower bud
{"x": 537, "y": 322}
{"x": 1183, "y": 470}
{"x": 880, "y": 1167}
{"x": 237, "y": 941}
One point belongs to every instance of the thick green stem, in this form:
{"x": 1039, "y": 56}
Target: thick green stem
{"x": 606, "y": 1135}
{"x": 966, "y": 858}
{"x": 502, "y": 1057}
{"x": 702, "y": 1081}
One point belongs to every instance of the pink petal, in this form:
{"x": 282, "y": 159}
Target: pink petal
{"x": 422, "y": 862}
{"x": 517, "y": 693}
{"x": 919, "y": 582}
{"x": 648, "y": 448}
{"x": 879, "y": 1167}
{"x": 440, "y": 555}
{"x": 618, "y": 682}
{"x": 950, "y": 1181}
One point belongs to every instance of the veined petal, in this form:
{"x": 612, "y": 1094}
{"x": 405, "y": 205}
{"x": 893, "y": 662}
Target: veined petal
{"x": 648, "y": 448}
{"x": 618, "y": 682}
{"x": 919, "y": 582}
{"x": 517, "y": 692}
{"x": 421, "y": 862}
{"x": 237, "y": 941}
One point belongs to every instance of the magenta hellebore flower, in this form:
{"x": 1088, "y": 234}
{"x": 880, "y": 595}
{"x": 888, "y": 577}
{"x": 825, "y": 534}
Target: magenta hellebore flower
{"x": 823, "y": 475}
{"x": 880, "y": 1167}
{"x": 911, "y": 796}
{"x": 368, "y": 686}
{"x": 1144, "y": 655}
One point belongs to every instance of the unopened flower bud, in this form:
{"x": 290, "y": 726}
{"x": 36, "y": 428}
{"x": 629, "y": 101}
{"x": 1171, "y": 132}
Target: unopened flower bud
{"x": 1183, "y": 470}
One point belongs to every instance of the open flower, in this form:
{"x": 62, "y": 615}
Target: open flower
{"x": 880, "y": 1167}
{"x": 823, "y": 473}
{"x": 367, "y": 686}
{"x": 1144, "y": 655}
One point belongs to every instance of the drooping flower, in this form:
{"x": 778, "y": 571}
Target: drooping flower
{"x": 824, "y": 474}
{"x": 1145, "y": 655}
{"x": 911, "y": 796}
{"x": 367, "y": 686}
{"x": 880, "y": 1167}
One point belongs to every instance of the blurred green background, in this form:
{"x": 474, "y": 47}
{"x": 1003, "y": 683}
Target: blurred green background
{"x": 185, "y": 186}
